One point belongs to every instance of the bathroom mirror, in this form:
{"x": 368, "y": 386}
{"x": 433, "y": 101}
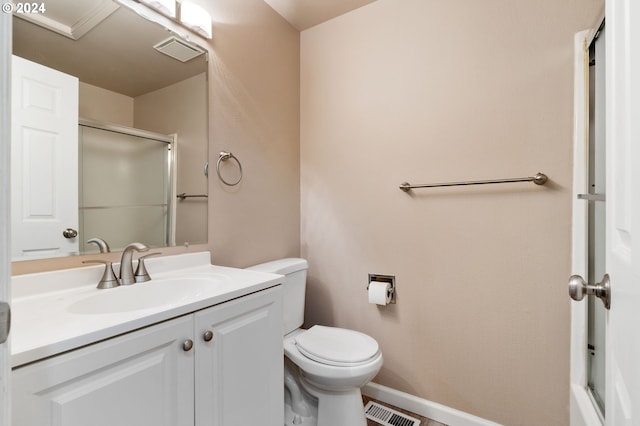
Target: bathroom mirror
{"x": 128, "y": 85}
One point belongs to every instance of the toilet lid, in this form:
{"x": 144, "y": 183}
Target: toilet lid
{"x": 336, "y": 346}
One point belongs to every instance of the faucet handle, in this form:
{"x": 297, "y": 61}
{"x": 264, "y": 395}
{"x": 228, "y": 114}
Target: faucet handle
{"x": 108, "y": 279}
{"x": 141, "y": 275}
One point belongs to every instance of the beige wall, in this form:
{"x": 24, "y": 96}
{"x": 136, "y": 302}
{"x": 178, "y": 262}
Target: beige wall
{"x": 254, "y": 84}
{"x": 431, "y": 91}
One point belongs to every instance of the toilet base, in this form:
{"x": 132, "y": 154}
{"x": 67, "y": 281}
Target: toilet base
{"x": 342, "y": 409}
{"x": 310, "y": 405}
{"x": 300, "y": 408}
{"x": 338, "y": 408}
{"x": 294, "y": 419}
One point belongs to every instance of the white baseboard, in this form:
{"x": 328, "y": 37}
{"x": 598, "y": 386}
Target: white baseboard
{"x": 423, "y": 407}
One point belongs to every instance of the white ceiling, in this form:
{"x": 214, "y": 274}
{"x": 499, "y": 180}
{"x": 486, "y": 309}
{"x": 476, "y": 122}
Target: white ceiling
{"x": 303, "y": 14}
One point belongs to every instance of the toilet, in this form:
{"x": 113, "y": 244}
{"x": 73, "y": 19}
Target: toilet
{"x": 325, "y": 367}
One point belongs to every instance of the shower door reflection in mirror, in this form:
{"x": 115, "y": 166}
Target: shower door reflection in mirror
{"x": 125, "y": 186}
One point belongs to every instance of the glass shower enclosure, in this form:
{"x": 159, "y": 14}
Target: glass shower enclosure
{"x": 126, "y": 180}
{"x": 596, "y": 197}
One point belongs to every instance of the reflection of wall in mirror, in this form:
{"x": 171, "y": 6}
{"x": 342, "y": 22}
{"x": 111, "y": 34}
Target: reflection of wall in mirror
{"x": 181, "y": 109}
{"x": 105, "y": 106}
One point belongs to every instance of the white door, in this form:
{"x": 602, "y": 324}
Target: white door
{"x": 44, "y": 161}
{"x": 623, "y": 211}
{"x": 621, "y": 387}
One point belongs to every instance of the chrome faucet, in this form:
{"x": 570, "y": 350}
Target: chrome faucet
{"x": 126, "y": 263}
{"x": 102, "y": 244}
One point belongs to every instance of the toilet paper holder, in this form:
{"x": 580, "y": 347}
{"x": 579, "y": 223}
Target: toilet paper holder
{"x": 391, "y": 279}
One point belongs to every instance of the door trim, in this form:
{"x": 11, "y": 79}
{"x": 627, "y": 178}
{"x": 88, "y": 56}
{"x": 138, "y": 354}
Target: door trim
{"x": 5, "y": 265}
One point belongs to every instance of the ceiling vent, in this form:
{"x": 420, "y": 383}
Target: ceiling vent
{"x": 178, "y": 49}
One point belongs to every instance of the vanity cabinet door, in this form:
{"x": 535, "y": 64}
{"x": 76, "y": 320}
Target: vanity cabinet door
{"x": 138, "y": 379}
{"x": 239, "y": 370}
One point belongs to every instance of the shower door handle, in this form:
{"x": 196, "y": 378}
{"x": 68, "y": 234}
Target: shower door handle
{"x": 578, "y": 287}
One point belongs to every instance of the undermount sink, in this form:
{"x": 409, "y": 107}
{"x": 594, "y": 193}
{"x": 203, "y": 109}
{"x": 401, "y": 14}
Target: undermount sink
{"x": 151, "y": 294}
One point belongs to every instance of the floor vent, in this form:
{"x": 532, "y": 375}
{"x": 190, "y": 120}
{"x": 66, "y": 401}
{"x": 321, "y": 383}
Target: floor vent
{"x": 388, "y": 417}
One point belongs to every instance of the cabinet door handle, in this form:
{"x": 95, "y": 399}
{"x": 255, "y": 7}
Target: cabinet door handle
{"x": 187, "y": 345}
{"x": 207, "y": 336}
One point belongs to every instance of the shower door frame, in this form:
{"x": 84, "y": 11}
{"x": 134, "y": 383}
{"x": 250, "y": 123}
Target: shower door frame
{"x": 583, "y": 411}
{"x": 622, "y": 245}
{"x": 171, "y": 141}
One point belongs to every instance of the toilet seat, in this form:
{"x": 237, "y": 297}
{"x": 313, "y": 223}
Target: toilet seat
{"x": 336, "y": 346}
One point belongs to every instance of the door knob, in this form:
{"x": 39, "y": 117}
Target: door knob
{"x": 69, "y": 233}
{"x": 207, "y": 336}
{"x": 578, "y": 287}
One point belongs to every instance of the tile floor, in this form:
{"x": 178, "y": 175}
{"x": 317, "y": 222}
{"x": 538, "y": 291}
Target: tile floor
{"x": 424, "y": 421}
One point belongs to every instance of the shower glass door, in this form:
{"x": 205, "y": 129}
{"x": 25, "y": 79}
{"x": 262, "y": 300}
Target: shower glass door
{"x": 596, "y": 312}
{"x": 125, "y": 184}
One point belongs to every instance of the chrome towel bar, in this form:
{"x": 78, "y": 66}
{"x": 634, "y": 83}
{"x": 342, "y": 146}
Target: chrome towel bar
{"x": 538, "y": 179}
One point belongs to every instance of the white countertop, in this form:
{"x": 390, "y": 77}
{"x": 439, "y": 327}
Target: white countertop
{"x": 44, "y": 322}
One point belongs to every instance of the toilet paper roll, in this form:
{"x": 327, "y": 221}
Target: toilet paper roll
{"x": 379, "y": 293}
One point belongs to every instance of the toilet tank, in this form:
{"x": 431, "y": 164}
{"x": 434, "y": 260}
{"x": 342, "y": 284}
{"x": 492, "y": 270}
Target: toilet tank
{"x": 294, "y": 288}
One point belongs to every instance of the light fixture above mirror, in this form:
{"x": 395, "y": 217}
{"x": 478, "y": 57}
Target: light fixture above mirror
{"x": 186, "y": 13}
{"x": 166, "y": 7}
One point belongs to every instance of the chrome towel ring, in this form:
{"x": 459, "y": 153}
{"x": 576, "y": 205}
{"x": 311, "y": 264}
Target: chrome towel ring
{"x": 224, "y": 156}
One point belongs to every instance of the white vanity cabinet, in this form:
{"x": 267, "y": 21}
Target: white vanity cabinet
{"x": 239, "y": 372}
{"x": 140, "y": 378}
{"x": 169, "y": 374}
